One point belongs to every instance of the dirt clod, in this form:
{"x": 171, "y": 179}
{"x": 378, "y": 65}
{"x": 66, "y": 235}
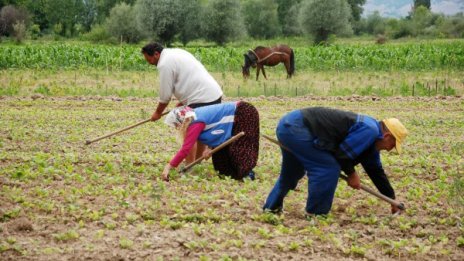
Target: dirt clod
{"x": 20, "y": 224}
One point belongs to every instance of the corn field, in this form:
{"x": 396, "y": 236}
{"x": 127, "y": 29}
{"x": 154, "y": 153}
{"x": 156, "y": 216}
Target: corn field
{"x": 399, "y": 56}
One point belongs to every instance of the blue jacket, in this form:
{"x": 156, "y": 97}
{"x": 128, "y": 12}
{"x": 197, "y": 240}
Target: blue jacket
{"x": 219, "y": 120}
{"x": 351, "y": 138}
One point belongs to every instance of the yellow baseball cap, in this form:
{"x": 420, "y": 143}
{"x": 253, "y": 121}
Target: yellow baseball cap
{"x": 398, "y": 130}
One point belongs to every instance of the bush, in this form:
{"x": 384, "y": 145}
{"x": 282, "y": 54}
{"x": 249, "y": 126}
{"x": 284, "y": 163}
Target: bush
{"x": 57, "y": 30}
{"x": 403, "y": 29}
{"x": 381, "y": 39}
{"x": 453, "y": 26}
{"x": 19, "y": 31}
{"x": 34, "y": 31}
{"x": 98, "y": 34}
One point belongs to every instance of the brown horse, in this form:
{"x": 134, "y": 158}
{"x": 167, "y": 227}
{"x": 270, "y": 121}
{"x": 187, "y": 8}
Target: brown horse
{"x": 261, "y": 56}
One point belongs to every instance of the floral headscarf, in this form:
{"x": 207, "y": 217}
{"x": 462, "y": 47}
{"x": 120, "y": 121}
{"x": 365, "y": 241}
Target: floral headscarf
{"x": 178, "y": 115}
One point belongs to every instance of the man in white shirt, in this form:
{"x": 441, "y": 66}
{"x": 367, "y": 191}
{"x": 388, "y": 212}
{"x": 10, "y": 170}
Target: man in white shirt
{"x": 183, "y": 76}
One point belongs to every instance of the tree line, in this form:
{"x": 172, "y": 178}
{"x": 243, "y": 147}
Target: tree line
{"x": 219, "y": 21}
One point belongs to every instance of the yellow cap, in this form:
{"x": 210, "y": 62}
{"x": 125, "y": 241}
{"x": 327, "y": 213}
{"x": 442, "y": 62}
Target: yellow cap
{"x": 398, "y": 130}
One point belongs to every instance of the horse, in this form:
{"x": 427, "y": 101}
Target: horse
{"x": 272, "y": 56}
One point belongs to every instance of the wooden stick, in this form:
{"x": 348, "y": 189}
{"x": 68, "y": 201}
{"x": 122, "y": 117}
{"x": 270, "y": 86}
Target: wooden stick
{"x": 87, "y": 142}
{"x": 229, "y": 141}
{"x": 377, "y": 194}
{"x": 363, "y": 187}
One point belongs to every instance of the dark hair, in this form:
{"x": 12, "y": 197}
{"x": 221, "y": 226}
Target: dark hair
{"x": 151, "y": 48}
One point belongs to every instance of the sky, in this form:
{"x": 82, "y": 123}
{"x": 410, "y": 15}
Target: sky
{"x": 401, "y": 8}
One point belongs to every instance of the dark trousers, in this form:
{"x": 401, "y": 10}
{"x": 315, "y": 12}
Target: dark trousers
{"x": 303, "y": 157}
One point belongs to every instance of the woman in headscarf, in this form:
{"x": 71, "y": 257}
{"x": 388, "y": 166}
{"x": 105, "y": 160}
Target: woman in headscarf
{"x": 213, "y": 125}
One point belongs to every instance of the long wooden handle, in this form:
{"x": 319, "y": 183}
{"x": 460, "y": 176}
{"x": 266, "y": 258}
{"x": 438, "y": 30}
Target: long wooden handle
{"x": 363, "y": 187}
{"x": 87, "y": 142}
{"x": 229, "y": 141}
{"x": 377, "y": 194}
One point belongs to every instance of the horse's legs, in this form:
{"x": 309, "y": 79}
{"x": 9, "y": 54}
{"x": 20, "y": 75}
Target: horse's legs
{"x": 287, "y": 67}
{"x": 258, "y": 67}
{"x": 264, "y": 73}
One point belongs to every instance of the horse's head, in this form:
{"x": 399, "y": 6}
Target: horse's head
{"x": 245, "y": 72}
{"x": 246, "y": 66}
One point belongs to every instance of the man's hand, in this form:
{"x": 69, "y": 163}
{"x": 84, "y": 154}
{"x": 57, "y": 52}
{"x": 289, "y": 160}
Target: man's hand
{"x": 156, "y": 116}
{"x": 354, "y": 181}
{"x": 165, "y": 174}
{"x": 395, "y": 210}
{"x": 159, "y": 111}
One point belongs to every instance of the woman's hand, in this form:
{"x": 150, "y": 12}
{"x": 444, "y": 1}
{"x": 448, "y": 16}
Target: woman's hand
{"x": 354, "y": 181}
{"x": 165, "y": 174}
{"x": 207, "y": 153}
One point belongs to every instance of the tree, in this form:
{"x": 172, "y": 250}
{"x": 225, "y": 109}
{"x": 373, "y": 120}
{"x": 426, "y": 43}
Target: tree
{"x": 320, "y": 18}
{"x": 291, "y": 25}
{"x": 103, "y": 7}
{"x": 421, "y": 19}
{"x": 425, "y": 3}
{"x": 261, "y": 18}
{"x": 37, "y": 10}
{"x": 121, "y": 23}
{"x": 286, "y": 13}
{"x": 356, "y": 8}
{"x": 190, "y": 22}
{"x": 453, "y": 26}
{"x": 375, "y": 24}
{"x": 64, "y": 12}
{"x": 159, "y": 19}
{"x": 222, "y": 21}
{"x": 88, "y": 14}
{"x": 11, "y": 15}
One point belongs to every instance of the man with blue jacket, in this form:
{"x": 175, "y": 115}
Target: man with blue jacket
{"x": 322, "y": 141}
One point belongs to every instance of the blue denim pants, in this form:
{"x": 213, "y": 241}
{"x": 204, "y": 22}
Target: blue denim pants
{"x": 303, "y": 157}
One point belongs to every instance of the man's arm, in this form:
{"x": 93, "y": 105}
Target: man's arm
{"x": 370, "y": 160}
{"x": 360, "y": 137}
{"x": 159, "y": 110}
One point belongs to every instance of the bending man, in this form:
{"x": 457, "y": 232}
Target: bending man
{"x": 323, "y": 141}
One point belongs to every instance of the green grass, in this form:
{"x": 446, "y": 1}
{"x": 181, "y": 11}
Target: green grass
{"x": 145, "y": 84}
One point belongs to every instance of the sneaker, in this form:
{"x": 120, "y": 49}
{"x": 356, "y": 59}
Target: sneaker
{"x": 277, "y": 211}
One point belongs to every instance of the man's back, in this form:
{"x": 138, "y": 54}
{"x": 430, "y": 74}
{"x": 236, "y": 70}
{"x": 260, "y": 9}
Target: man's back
{"x": 184, "y": 76}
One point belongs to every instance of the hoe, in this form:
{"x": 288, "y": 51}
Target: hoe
{"x": 87, "y": 142}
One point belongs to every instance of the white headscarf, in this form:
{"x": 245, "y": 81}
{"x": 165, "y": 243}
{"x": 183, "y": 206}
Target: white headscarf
{"x": 178, "y": 115}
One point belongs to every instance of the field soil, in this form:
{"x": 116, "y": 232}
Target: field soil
{"x": 63, "y": 200}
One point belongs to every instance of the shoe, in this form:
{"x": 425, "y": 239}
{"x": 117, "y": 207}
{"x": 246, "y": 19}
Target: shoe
{"x": 251, "y": 175}
{"x": 273, "y": 211}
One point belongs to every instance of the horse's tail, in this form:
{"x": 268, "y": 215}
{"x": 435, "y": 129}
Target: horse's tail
{"x": 292, "y": 62}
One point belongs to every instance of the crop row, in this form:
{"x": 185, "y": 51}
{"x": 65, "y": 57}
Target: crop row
{"x": 402, "y": 56}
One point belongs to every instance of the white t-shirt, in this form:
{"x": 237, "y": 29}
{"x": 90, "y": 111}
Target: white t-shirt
{"x": 183, "y": 76}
